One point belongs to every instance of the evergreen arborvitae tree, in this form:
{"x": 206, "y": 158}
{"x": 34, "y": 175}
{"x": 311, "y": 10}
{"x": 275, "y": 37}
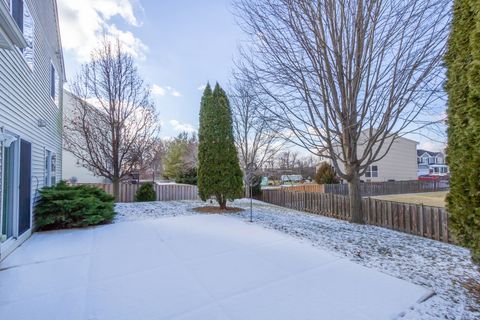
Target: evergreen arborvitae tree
{"x": 219, "y": 172}
{"x": 463, "y": 151}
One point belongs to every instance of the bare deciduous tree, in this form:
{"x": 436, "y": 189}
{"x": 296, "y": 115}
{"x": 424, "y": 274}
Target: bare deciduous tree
{"x": 257, "y": 141}
{"x": 287, "y": 160}
{"x": 152, "y": 158}
{"x": 113, "y": 120}
{"x": 346, "y": 77}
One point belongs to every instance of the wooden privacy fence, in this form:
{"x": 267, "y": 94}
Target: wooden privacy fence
{"x": 306, "y": 188}
{"x": 165, "y": 192}
{"x": 368, "y": 189}
{"x": 420, "y": 220}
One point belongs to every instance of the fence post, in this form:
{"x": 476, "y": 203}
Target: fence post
{"x": 420, "y": 222}
{"x": 368, "y": 209}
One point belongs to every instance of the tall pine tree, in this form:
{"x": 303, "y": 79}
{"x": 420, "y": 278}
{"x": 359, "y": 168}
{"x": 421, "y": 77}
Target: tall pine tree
{"x": 219, "y": 173}
{"x": 463, "y": 152}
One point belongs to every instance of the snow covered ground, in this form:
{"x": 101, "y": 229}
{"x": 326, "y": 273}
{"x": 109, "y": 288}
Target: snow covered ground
{"x": 444, "y": 268}
{"x": 194, "y": 267}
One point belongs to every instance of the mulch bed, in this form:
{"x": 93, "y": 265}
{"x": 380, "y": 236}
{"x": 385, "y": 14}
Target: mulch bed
{"x": 216, "y": 209}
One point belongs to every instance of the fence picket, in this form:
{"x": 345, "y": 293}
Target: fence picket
{"x": 425, "y": 221}
{"x": 164, "y": 192}
{"x": 368, "y": 189}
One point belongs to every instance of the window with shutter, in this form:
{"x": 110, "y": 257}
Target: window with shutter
{"x": 24, "y": 20}
{"x": 17, "y": 12}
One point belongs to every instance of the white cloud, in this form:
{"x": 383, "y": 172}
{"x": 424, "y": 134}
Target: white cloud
{"x": 182, "y": 127}
{"x": 132, "y": 44}
{"x": 431, "y": 145}
{"x": 202, "y": 87}
{"x": 157, "y": 90}
{"x": 161, "y": 91}
{"x": 83, "y": 22}
{"x": 175, "y": 93}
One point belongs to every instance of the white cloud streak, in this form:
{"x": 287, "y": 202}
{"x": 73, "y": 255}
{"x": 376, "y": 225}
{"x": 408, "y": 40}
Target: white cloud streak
{"x": 83, "y": 22}
{"x": 182, "y": 127}
{"x": 162, "y": 91}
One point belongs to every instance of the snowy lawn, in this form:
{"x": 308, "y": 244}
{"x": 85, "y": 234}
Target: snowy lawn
{"x": 445, "y": 268}
{"x": 198, "y": 266}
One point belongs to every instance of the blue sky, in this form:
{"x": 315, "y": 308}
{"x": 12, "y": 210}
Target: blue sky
{"x": 179, "y": 46}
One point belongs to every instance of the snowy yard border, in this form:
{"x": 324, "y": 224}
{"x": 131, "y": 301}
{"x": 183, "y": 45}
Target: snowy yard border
{"x": 445, "y": 268}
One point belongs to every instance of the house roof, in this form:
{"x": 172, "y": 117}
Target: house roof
{"x": 421, "y": 152}
{"x": 398, "y": 136}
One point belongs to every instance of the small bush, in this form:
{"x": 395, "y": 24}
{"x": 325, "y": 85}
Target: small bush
{"x": 188, "y": 176}
{"x": 326, "y": 175}
{"x": 64, "y": 206}
{"x": 146, "y": 192}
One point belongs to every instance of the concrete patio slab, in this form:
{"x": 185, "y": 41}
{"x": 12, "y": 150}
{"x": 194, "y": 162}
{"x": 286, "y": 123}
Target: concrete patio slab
{"x": 191, "y": 267}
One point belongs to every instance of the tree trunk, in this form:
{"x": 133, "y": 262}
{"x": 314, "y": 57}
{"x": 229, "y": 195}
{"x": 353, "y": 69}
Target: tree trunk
{"x": 222, "y": 202}
{"x": 355, "y": 198}
{"x": 116, "y": 189}
{"x": 246, "y": 186}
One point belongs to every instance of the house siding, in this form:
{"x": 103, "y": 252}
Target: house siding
{"x": 399, "y": 163}
{"x": 25, "y": 93}
{"x": 71, "y": 168}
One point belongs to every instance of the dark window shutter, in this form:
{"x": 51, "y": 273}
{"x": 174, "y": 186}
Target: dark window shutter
{"x": 52, "y": 81}
{"x": 17, "y": 13}
{"x": 25, "y": 187}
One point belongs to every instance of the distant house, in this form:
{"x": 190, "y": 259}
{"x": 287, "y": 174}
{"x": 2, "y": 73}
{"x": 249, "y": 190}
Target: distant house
{"x": 398, "y": 164}
{"x": 73, "y": 169}
{"x": 431, "y": 163}
{"x": 291, "y": 178}
{"x": 31, "y": 98}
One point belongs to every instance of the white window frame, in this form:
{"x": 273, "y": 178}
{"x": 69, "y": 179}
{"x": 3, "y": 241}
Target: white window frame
{"x": 49, "y": 155}
{"x": 374, "y": 172}
{"x": 31, "y": 64}
{"x": 55, "y": 83}
{"x": 370, "y": 173}
{"x": 16, "y": 185}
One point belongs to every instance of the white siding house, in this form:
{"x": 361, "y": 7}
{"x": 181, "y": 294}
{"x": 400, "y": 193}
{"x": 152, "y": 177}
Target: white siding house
{"x": 400, "y": 162}
{"x": 31, "y": 82}
{"x": 73, "y": 169}
{"x": 431, "y": 163}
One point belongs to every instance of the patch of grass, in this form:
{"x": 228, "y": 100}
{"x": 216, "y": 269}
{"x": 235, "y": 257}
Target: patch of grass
{"x": 435, "y": 199}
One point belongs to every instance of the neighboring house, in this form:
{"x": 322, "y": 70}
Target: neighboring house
{"x": 291, "y": 178}
{"x": 73, "y": 169}
{"x": 31, "y": 82}
{"x": 431, "y": 163}
{"x": 398, "y": 164}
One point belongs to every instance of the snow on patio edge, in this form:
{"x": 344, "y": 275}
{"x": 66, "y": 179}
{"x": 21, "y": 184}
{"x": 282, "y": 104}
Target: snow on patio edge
{"x": 442, "y": 267}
